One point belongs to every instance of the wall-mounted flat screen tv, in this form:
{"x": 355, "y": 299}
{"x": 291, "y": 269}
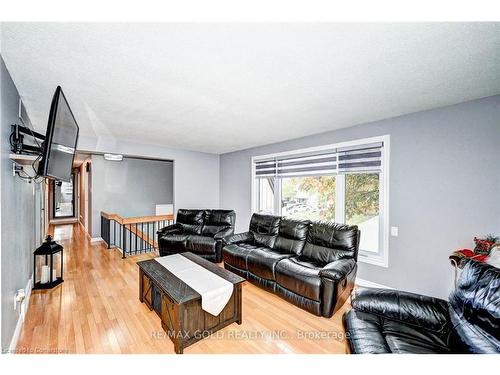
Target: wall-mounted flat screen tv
{"x": 60, "y": 140}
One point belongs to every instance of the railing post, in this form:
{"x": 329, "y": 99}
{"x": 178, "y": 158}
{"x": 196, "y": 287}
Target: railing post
{"x": 124, "y": 241}
{"x": 107, "y": 224}
{"x": 130, "y": 238}
{"x": 149, "y": 242}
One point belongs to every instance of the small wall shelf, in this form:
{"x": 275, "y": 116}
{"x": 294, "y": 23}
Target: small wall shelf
{"x": 21, "y": 159}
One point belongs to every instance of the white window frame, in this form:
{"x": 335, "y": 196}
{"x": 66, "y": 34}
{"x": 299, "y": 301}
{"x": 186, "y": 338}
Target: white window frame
{"x": 382, "y": 258}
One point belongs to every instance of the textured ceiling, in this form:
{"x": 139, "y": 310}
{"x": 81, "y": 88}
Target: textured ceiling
{"x": 224, "y": 87}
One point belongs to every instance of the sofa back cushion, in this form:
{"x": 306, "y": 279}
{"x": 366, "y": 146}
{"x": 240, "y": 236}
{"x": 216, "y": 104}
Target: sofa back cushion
{"x": 217, "y": 220}
{"x": 292, "y": 236}
{"x": 475, "y": 309}
{"x": 264, "y": 229}
{"x": 327, "y": 242}
{"x": 191, "y": 220}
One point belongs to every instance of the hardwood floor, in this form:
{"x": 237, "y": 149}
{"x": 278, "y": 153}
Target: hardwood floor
{"x": 97, "y": 310}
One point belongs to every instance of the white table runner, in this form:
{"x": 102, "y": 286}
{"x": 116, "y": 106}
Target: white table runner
{"x": 214, "y": 290}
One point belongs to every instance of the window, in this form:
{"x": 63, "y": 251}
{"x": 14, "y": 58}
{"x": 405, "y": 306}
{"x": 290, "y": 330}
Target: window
{"x": 266, "y": 196}
{"x": 309, "y": 197}
{"x": 346, "y": 183}
{"x": 362, "y": 203}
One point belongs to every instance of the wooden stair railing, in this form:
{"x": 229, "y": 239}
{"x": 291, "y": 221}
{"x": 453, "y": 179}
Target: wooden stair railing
{"x": 133, "y": 235}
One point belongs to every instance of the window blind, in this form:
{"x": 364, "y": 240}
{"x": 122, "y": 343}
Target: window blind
{"x": 265, "y": 168}
{"x": 306, "y": 165}
{"x": 357, "y": 159}
{"x": 365, "y": 158}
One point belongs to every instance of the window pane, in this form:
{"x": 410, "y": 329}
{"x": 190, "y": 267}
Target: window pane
{"x": 310, "y": 198}
{"x": 266, "y": 196}
{"x": 362, "y": 207}
{"x": 63, "y": 199}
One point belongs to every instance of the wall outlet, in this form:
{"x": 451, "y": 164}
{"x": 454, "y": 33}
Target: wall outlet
{"x": 19, "y": 298}
{"x": 394, "y": 231}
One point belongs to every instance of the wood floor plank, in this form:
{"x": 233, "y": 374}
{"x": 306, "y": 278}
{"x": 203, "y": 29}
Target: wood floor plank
{"x": 97, "y": 310}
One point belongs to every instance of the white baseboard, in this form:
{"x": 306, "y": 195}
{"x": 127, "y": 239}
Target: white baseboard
{"x": 20, "y": 321}
{"x": 370, "y": 284}
{"x": 96, "y": 239}
{"x": 63, "y": 221}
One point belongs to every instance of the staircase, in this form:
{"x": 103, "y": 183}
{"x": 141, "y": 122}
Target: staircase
{"x": 133, "y": 235}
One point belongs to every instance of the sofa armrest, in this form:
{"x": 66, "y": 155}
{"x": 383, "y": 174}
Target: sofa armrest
{"x": 338, "y": 269}
{"x": 223, "y": 234}
{"x": 409, "y": 308}
{"x": 170, "y": 229}
{"x": 237, "y": 238}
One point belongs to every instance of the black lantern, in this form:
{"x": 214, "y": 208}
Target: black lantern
{"x": 44, "y": 265}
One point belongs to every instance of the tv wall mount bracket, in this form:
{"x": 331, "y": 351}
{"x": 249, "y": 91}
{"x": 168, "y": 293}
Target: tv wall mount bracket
{"x": 22, "y": 153}
{"x": 17, "y": 140}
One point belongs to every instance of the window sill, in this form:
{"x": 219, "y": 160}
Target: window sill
{"x": 374, "y": 260}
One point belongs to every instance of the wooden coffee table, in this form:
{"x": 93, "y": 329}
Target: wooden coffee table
{"x": 179, "y": 306}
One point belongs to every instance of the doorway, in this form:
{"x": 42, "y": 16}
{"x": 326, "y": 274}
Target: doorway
{"x": 86, "y": 196}
{"x": 63, "y": 198}
{"x": 83, "y": 190}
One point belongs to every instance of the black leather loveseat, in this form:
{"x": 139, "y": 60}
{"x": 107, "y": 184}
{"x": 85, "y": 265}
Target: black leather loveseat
{"x": 310, "y": 264}
{"x": 390, "y": 321}
{"x": 198, "y": 231}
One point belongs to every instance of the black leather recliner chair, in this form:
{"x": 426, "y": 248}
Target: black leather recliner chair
{"x": 198, "y": 231}
{"x": 391, "y": 321}
{"x": 310, "y": 264}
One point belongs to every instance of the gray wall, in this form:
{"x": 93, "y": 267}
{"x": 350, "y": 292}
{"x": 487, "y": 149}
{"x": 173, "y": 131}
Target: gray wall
{"x": 131, "y": 187}
{"x": 444, "y": 188}
{"x": 17, "y": 212}
{"x": 196, "y": 174}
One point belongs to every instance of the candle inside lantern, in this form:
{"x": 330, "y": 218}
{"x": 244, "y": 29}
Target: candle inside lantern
{"x": 45, "y": 275}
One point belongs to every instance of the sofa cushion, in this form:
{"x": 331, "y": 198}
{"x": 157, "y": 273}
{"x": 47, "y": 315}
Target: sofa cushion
{"x": 248, "y": 246}
{"x": 370, "y": 333}
{"x": 236, "y": 254}
{"x": 201, "y": 245}
{"x": 409, "y": 308}
{"x": 264, "y": 229}
{"x": 217, "y": 220}
{"x": 327, "y": 242}
{"x": 475, "y": 309}
{"x": 191, "y": 229}
{"x": 299, "y": 276}
{"x": 212, "y": 230}
{"x": 262, "y": 262}
{"x": 191, "y": 221}
{"x": 291, "y": 236}
{"x": 173, "y": 242}
{"x": 476, "y": 298}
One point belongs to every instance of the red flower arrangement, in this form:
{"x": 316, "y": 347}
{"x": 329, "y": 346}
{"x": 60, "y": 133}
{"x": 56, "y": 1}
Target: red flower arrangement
{"x": 480, "y": 252}
{"x": 484, "y": 245}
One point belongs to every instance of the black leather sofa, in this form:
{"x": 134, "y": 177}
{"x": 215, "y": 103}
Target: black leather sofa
{"x": 198, "y": 231}
{"x": 390, "y": 321}
{"x": 310, "y": 264}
